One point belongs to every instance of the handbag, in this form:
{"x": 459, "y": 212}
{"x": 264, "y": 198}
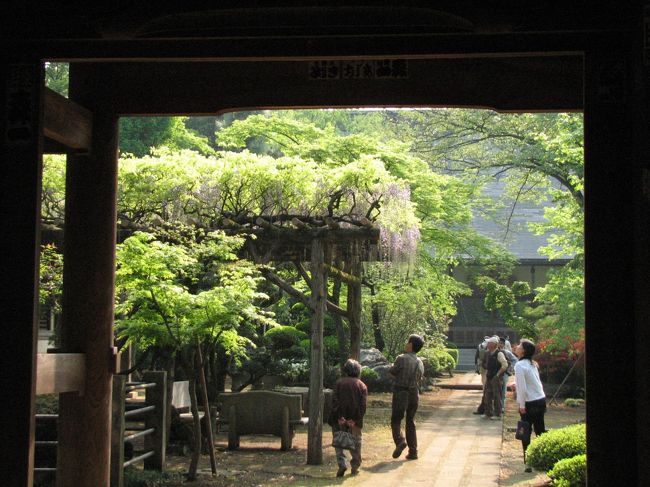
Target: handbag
{"x": 523, "y": 431}
{"x": 343, "y": 439}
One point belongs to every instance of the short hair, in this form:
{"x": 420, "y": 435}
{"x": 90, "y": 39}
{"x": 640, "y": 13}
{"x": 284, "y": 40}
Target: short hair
{"x": 417, "y": 341}
{"x": 529, "y": 348}
{"x": 352, "y": 368}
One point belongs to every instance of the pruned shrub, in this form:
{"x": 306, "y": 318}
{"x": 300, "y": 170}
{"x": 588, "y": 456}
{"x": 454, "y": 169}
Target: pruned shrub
{"x": 436, "y": 361}
{"x": 553, "y": 446}
{"x": 574, "y": 402}
{"x": 370, "y": 378}
{"x": 284, "y": 343}
{"x": 431, "y": 362}
{"x": 454, "y": 354}
{"x": 570, "y": 472}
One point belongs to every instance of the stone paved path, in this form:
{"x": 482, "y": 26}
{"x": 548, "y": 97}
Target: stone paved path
{"x": 456, "y": 448}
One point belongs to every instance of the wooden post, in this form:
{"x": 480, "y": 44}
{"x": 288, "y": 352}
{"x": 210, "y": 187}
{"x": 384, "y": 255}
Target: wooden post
{"x": 612, "y": 182}
{"x": 157, "y": 441}
{"x": 318, "y": 305}
{"x": 354, "y": 303}
{"x": 20, "y": 203}
{"x": 89, "y": 291}
{"x": 117, "y": 431}
{"x": 206, "y": 408}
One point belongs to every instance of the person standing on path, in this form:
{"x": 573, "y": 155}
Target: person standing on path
{"x": 530, "y": 392}
{"x": 510, "y": 371}
{"x": 496, "y": 367}
{"x": 349, "y": 400}
{"x": 479, "y": 361}
{"x": 407, "y": 371}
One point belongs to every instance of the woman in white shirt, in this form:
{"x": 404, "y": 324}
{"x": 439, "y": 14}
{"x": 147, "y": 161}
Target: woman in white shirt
{"x": 530, "y": 393}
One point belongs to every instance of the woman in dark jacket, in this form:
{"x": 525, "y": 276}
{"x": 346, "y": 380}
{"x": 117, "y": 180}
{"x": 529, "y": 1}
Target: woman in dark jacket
{"x": 349, "y": 400}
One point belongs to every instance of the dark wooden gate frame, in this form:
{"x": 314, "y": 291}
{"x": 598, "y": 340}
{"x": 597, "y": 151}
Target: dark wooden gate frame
{"x": 539, "y": 72}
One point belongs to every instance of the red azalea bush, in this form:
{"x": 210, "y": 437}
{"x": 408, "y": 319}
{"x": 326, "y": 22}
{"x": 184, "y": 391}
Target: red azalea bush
{"x": 555, "y": 364}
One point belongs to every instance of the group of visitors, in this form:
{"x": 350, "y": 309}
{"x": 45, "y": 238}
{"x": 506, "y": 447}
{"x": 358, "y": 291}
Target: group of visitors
{"x": 496, "y": 363}
{"x": 350, "y": 397}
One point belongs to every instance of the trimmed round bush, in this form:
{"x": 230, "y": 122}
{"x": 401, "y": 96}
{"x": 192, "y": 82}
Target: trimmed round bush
{"x": 446, "y": 360}
{"x": 570, "y": 472}
{"x": 431, "y": 362}
{"x": 551, "y": 447}
{"x": 282, "y": 337}
{"x": 370, "y": 378}
{"x": 454, "y": 354}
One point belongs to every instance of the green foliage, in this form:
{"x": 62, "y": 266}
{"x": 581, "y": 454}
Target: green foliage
{"x": 47, "y": 404}
{"x": 573, "y": 402}
{"x": 147, "y": 478}
{"x": 436, "y": 360}
{"x": 416, "y": 299}
{"x": 139, "y": 135}
{"x": 545, "y": 450}
{"x": 507, "y": 301}
{"x": 57, "y": 77}
{"x": 163, "y": 304}
{"x": 53, "y": 193}
{"x": 453, "y": 352}
{"x": 331, "y": 348}
{"x": 370, "y": 378}
{"x": 50, "y": 278}
{"x": 570, "y": 472}
{"x": 283, "y": 337}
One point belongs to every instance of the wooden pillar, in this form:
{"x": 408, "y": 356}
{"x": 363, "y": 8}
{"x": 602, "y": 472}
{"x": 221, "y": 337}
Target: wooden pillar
{"x": 88, "y": 291}
{"x": 354, "y": 304}
{"x": 642, "y": 250}
{"x": 118, "y": 408}
{"x": 319, "y": 306}
{"x": 611, "y": 185}
{"x": 20, "y": 203}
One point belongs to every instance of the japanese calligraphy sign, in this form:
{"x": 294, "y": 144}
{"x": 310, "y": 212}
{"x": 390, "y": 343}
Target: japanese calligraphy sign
{"x": 362, "y": 69}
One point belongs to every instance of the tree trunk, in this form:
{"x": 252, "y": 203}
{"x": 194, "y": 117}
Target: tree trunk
{"x": 194, "y": 407}
{"x": 354, "y": 306}
{"x": 338, "y": 322}
{"x": 376, "y": 328}
{"x": 170, "y": 368}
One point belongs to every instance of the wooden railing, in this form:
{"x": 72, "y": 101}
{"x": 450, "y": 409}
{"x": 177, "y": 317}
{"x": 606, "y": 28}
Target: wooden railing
{"x": 150, "y": 415}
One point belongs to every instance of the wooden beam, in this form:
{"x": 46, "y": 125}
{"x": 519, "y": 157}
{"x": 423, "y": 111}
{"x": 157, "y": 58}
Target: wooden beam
{"x": 67, "y": 122}
{"x": 519, "y": 83}
{"x": 60, "y": 372}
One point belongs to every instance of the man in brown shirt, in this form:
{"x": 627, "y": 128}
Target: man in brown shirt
{"x": 407, "y": 371}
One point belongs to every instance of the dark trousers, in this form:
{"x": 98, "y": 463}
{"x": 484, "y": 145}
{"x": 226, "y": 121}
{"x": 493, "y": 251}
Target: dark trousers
{"x": 492, "y": 397}
{"x": 355, "y": 461}
{"x": 534, "y": 415}
{"x": 405, "y": 401}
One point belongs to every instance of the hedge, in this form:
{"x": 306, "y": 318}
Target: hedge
{"x": 546, "y": 450}
{"x": 436, "y": 360}
{"x": 570, "y": 472}
{"x": 454, "y": 354}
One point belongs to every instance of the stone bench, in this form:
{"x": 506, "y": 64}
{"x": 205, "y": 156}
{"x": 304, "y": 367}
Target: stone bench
{"x": 260, "y": 412}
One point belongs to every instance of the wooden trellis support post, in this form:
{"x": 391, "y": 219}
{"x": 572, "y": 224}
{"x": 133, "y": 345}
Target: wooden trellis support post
{"x": 319, "y": 306}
